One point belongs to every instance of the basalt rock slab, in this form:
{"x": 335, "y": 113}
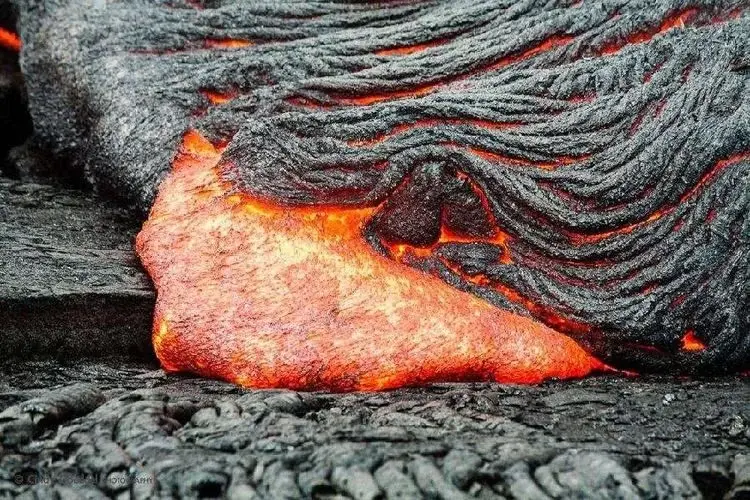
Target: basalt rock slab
{"x": 126, "y": 430}
{"x": 584, "y": 165}
{"x": 71, "y": 285}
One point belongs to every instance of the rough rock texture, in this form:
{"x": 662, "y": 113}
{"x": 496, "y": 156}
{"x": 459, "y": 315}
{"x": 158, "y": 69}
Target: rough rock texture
{"x": 98, "y": 430}
{"x": 599, "y": 148}
{"x": 70, "y": 284}
{"x": 111, "y": 429}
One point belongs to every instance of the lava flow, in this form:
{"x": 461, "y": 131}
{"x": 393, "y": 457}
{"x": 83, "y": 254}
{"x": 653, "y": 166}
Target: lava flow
{"x": 270, "y": 296}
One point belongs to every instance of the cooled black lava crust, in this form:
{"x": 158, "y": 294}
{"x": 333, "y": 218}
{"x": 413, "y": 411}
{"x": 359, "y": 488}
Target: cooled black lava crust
{"x": 112, "y": 429}
{"x": 609, "y": 140}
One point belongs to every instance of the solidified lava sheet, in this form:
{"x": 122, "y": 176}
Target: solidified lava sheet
{"x": 366, "y": 195}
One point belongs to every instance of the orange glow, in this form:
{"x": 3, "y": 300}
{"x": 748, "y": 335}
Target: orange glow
{"x": 545, "y": 314}
{"x": 194, "y": 147}
{"x": 9, "y": 40}
{"x": 304, "y": 102}
{"x": 399, "y": 251}
{"x": 270, "y": 296}
{"x": 720, "y": 166}
{"x": 674, "y": 21}
{"x": 546, "y": 45}
{"x": 497, "y": 237}
{"x": 690, "y": 342}
{"x": 408, "y": 49}
{"x": 210, "y": 43}
{"x": 550, "y": 43}
{"x": 227, "y": 43}
{"x": 512, "y": 160}
{"x": 387, "y": 96}
{"x": 216, "y": 97}
{"x": 433, "y": 122}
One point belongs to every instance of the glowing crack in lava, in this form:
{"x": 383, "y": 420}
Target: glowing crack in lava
{"x": 9, "y": 40}
{"x": 268, "y": 296}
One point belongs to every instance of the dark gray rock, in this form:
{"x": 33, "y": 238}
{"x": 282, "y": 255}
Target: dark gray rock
{"x": 117, "y": 429}
{"x": 70, "y": 285}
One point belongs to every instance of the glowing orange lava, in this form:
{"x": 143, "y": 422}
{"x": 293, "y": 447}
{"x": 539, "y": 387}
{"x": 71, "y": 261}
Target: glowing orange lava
{"x": 409, "y": 49}
{"x": 9, "y": 40}
{"x": 227, "y": 43}
{"x": 267, "y": 296}
{"x": 691, "y": 342}
{"x": 675, "y": 21}
{"x": 216, "y": 97}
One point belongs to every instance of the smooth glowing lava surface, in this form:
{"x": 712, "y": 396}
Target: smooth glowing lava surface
{"x": 271, "y": 296}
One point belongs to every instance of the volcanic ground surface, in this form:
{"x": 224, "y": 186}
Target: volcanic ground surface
{"x": 129, "y": 431}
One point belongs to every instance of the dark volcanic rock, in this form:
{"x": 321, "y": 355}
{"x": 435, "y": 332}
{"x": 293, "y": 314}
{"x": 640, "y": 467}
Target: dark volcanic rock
{"x": 21, "y": 423}
{"x": 70, "y": 283}
{"x": 118, "y": 429}
{"x": 15, "y": 123}
{"x": 609, "y": 140}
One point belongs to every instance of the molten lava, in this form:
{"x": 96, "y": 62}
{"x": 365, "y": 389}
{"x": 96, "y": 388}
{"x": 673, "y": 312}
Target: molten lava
{"x": 9, "y": 40}
{"x": 691, "y": 342}
{"x": 227, "y": 43}
{"x": 409, "y": 49}
{"x": 268, "y": 296}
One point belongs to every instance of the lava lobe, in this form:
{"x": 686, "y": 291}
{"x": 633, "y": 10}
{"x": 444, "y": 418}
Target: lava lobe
{"x": 272, "y": 296}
